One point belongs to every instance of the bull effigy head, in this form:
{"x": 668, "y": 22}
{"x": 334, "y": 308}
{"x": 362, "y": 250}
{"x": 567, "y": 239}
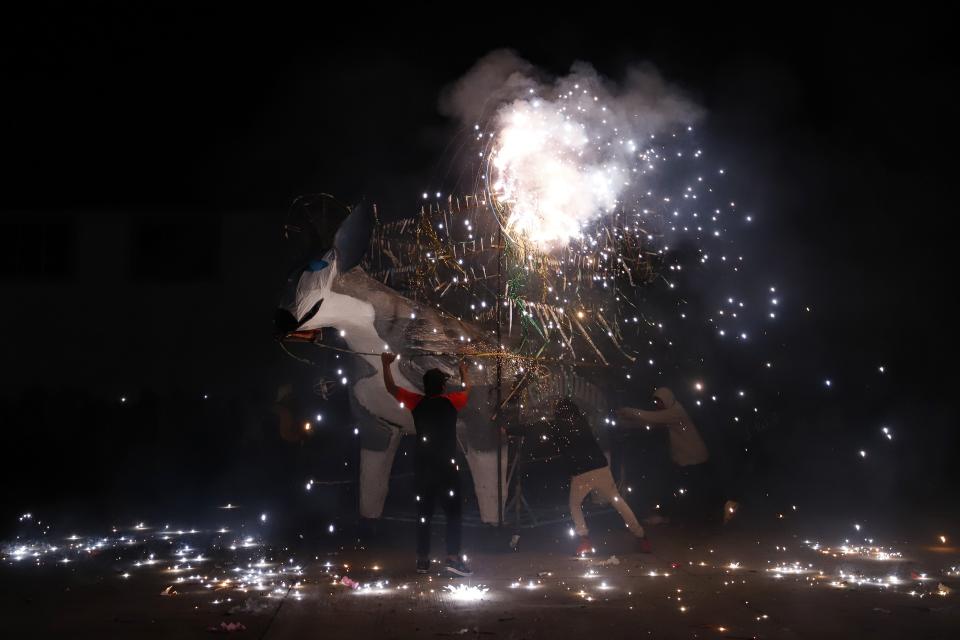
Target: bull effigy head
{"x": 310, "y": 282}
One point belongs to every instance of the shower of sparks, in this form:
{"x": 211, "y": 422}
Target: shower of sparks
{"x": 575, "y": 284}
{"x": 234, "y": 573}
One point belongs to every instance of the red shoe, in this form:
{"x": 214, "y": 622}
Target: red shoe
{"x": 643, "y": 545}
{"x": 585, "y": 548}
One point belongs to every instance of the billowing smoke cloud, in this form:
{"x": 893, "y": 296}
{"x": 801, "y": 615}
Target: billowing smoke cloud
{"x": 563, "y": 151}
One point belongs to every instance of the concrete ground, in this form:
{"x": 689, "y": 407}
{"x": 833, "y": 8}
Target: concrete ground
{"x": 736, "y": 583}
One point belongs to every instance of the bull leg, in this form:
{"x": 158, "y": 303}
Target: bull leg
{"x": 483, "y": 468}
{"x": 375, "y": 469}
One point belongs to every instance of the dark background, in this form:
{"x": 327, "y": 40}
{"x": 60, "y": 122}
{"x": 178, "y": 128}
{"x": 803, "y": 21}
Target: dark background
{"x": 149, "y": 155}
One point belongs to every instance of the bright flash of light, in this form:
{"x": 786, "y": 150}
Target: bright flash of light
{"x": 551, "y": 170}
{"x": 563, "y": 159}
{"x": 464, "y": 593}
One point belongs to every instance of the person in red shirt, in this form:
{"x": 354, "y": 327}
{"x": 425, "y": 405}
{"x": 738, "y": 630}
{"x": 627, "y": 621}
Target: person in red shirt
{"x": 436, "y": 472}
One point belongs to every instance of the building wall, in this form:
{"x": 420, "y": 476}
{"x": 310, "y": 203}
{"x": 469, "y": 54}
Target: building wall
{"x": 158, "y": 300}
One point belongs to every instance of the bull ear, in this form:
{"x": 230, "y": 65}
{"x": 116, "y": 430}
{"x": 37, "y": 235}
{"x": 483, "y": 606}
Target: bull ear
{"x": 353, "y": 237}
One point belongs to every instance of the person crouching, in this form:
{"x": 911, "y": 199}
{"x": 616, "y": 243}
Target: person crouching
{"x": 589, "y": 472}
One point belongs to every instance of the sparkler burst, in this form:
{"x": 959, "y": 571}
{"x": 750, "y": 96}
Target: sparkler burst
{"x": 551, "y": 171}
{"x": 467, "y": 593}
{"x": 568, "y": 152}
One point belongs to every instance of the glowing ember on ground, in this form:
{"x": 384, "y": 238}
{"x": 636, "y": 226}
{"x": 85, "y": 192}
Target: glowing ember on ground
{"x": 464, "y": 593}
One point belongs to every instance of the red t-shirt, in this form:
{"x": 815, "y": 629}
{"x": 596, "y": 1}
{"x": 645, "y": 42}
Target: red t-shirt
{"x": 410, "y": 399}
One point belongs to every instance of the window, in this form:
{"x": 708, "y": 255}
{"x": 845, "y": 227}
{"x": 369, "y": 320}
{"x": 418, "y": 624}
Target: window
{"x": 39, "y": 247}
{"x": 176, "y": 248}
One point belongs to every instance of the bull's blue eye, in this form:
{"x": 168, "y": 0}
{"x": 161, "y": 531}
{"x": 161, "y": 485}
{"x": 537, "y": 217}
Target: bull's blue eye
{"x": 317, "y": 265}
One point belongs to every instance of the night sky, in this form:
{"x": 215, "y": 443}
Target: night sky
{"x": 838, "y": 133}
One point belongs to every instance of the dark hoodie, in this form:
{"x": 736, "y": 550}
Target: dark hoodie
{"x": 571, "y": 434}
